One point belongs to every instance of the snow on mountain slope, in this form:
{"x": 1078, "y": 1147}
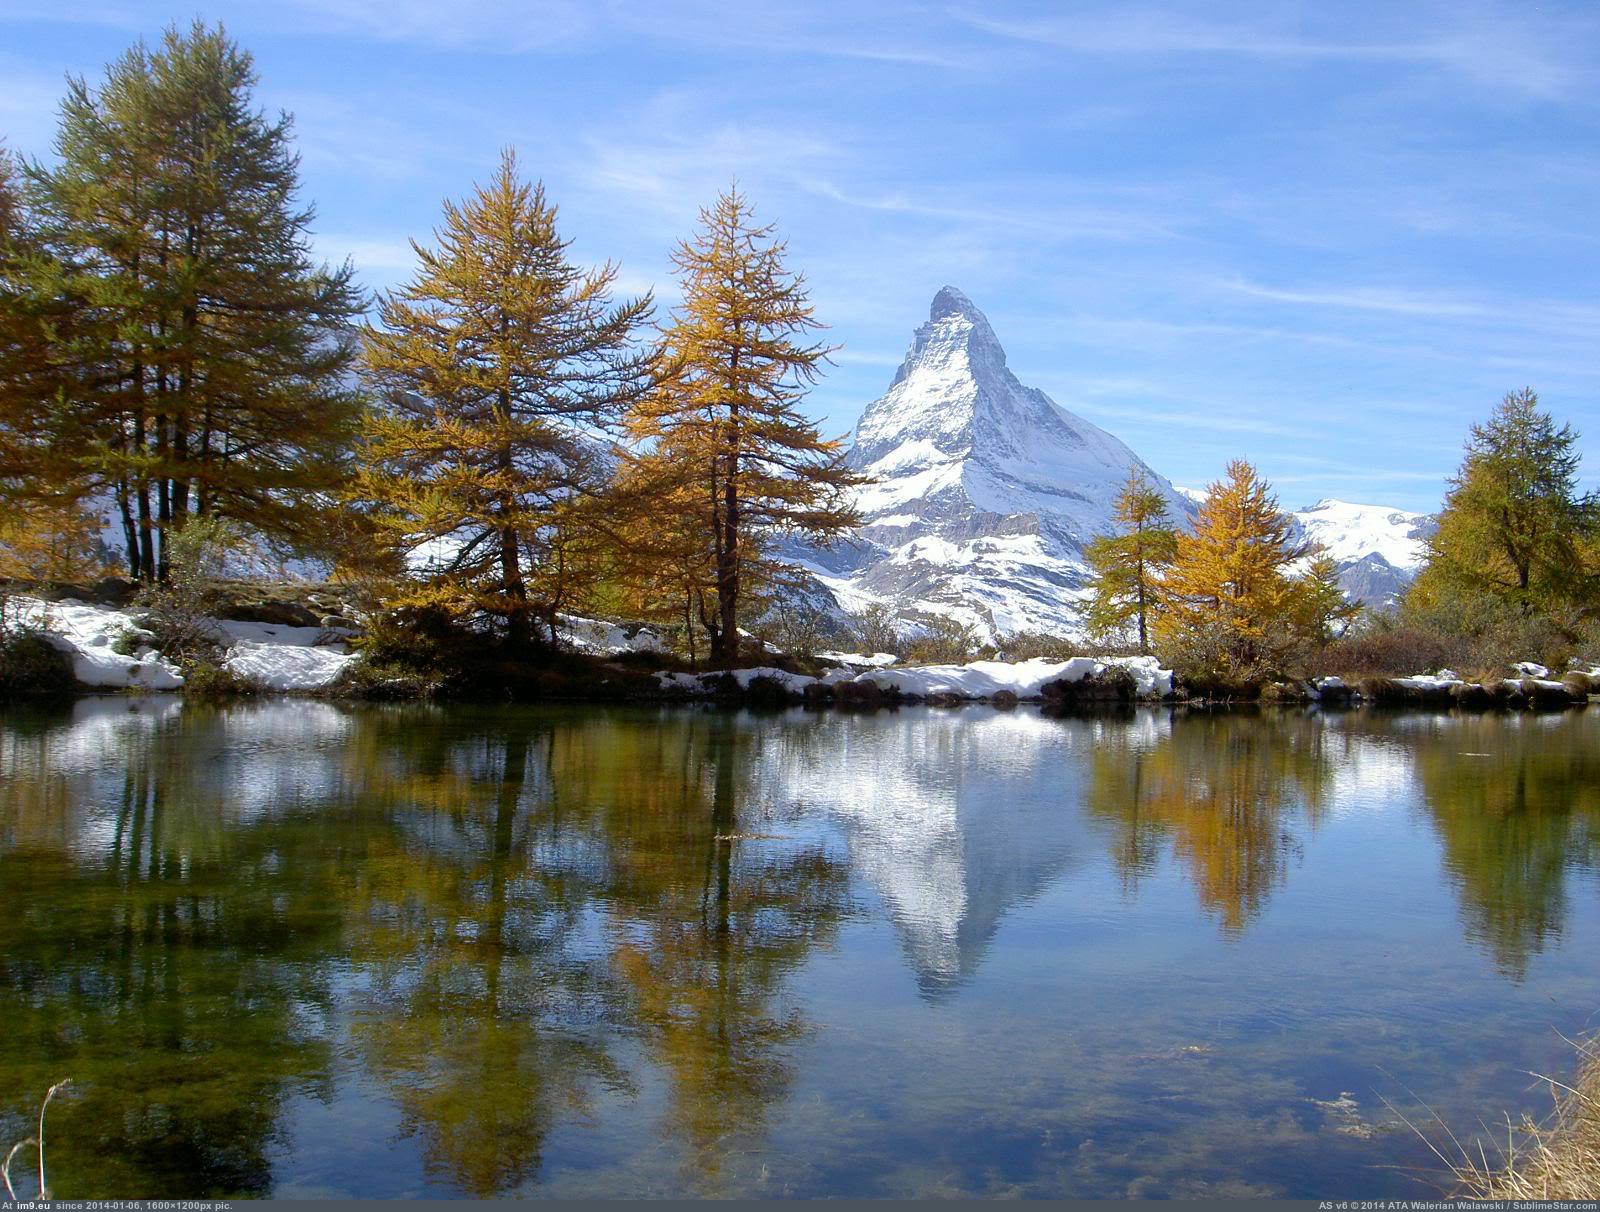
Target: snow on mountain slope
{"x": 1353, "y": 532}
{"x": 1378, "y": 549}
{"x": 985, "y": 492}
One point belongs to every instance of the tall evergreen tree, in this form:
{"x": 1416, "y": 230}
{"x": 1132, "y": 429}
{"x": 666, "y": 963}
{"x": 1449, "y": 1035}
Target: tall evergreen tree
{"x": 727, "y": 420}
{"x": 208, "y": 358}
{"x": 1514, "y": 525}
{"x": 502, "y": 370}
{"x": 1231, "y": 588}
{"x": 1128, "y": 565}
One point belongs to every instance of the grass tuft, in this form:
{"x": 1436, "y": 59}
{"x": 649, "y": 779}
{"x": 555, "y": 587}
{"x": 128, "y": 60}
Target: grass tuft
{"x": 1556, "y": 1158}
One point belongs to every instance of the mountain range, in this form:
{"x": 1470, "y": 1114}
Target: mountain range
{"x": 984, "y": 493}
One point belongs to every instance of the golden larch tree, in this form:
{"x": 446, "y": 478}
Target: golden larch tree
{"x": 1231, "y": 594}
{"x": 724, "y": 430}
{"x": 502, "y": 370}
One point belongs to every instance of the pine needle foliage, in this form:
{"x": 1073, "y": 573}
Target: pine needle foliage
{"x": 502, "y": 371}
{"x": 723, "y": 438}
{"x": 41, "y": 486}
{"x": 1128, "y": 565}
{"x": 1322, "y": 611}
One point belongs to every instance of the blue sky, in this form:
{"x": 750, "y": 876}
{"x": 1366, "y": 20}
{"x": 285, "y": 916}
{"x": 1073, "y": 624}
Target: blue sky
{"x": 1324, "y": 237}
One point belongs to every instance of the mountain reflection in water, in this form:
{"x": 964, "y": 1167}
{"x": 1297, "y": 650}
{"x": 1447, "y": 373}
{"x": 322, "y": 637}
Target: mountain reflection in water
{"x": 291, "y": 948}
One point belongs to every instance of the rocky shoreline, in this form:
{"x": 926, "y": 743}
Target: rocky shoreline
{"x": 301, "y": 640}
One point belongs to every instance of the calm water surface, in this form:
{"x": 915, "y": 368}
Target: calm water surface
{"x": 304, "y": 950}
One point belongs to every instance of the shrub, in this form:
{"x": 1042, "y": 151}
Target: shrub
{"x": 796, "y": 630}
{"x": 1389, "y": 647}
{"x": 419, "y": 639}
{"x": 877, "y": 629}
{"x": 1201, "y": 659}
{"x": 943, "y": 641}
{"x": 1477, "y": 636}
{"x": 180, "y": 612}
{"x": 1032, "y": 645}
{"x": 33, "y": 669}
{"x": 202, "y": 679}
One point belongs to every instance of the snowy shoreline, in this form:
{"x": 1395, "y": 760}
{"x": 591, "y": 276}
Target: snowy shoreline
{"x": 110, "y": 649}
{"x": 980, "y": 681}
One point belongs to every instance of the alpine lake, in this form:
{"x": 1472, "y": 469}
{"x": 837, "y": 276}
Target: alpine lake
{"x": 299, "y": 949}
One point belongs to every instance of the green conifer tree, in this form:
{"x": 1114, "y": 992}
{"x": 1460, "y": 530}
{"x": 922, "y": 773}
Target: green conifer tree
{"x": 1514, "y": 526}
{"x": 206, "y": 363}
{"x": 1321, "y": 608}
{"x": 1127, "y": 566}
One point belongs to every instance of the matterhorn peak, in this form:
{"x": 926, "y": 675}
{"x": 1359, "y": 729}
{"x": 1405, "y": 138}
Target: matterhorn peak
{"x": 983, "y": 492}
{"x": 951, "y": 302}
{"x": 956, "y": 345}
{"x": 954, "y": 321}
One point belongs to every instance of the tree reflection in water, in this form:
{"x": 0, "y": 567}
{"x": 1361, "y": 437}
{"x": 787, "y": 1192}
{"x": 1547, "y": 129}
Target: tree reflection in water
{"x": 1516, "y": 803}
{"x": 1228, "y": 793}
{"x": 161, "y": 956}
{"x": 546, "y": 883}
{"x": 504, "y": 926}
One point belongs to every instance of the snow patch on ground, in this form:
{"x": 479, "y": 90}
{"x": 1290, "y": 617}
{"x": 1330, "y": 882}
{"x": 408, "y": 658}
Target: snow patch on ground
{"x": 274, "y": 657}
{"x": 287, "y": 667}
{"x": 860, "y": 660}
{"x": 1442, "y": 680}
{"x": 600, "y": 638}
{"x": 90, "y": 635}
{"x": 1025, "y": 679}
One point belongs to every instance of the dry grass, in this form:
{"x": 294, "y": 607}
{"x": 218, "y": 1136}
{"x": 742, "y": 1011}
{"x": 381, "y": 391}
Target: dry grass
{"x": 38, "y": 1142}
{"x": 1556, "y": 1158}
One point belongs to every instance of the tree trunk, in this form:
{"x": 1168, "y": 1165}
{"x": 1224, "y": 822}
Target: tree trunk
{"x": 728, "y": 570}
{"x": 163, "y": 500}
{"x": 130, "y": 532}
{"x": 519, "y": 619}
{"x": 147, "y": 545}
{"x": 180, "y": 458}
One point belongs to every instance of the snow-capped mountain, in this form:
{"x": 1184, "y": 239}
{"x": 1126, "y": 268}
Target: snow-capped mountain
{"x": 985, "y": 491}
{"x": 1378, "y": 549}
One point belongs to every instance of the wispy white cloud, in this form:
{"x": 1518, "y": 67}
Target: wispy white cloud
{"x": 1578, "y": 319}
{"x": 1054, "y": 219}
{"x": 1474, "y": 44}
